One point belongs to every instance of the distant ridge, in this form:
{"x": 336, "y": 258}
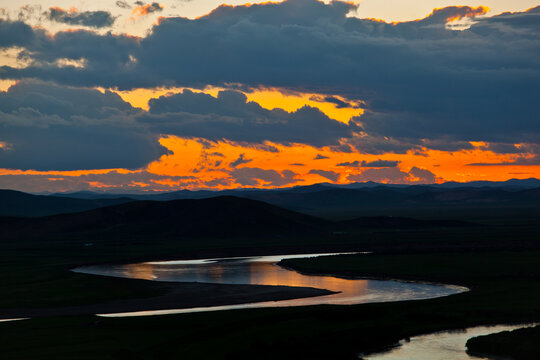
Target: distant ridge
{"x": 343, "y": 201}
{"x": 389, "y": 222}
{"x": 512, "y": 184}
{"x": 16, "y": 203}
{"x": 217, "y": 217}
{"x": 222, "y": 216}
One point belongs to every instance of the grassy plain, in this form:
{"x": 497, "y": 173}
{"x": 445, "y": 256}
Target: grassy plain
{"x": 517, "y": 344}
{"x": 499, "y": 262}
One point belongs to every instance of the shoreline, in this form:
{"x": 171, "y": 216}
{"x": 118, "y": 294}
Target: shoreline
{"x": 185, "y": 295}
{"x": 370, "y": 275}
{"x": 178, "y": 295}
{"x": 378, "y": 277}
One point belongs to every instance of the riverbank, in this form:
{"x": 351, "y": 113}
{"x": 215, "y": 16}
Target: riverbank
{"x": 520, "y": 344}
{"x": 505, "y": 286}
{"x": 35, "y": 274}
{"x": 175, "y": 296}
{"x": 504, "y": 289}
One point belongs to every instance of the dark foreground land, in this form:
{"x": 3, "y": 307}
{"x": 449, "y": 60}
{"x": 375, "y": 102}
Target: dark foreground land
{"x": 498, "y": 260}
{"x": 517, "y": 344}
{"x": 504, "y": 288}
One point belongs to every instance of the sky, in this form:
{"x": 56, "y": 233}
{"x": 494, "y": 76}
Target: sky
{"x": 133, "y": 96}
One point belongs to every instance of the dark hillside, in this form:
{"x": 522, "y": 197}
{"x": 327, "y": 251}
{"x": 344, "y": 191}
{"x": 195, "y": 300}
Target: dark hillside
{"x": 216, "y": 217}
{"x": 16, "y": 203}
{"x": 389, "y": 222}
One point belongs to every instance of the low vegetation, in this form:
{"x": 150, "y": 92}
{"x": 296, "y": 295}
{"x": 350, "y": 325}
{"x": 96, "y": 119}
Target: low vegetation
{"x": 523, "y": 344}
{"x": 498, "y": 262}
{"x": 504, "y": 289}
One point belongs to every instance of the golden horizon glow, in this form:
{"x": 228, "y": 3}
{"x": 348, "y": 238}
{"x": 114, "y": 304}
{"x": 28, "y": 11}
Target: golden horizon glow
{"x": 197, "y": 164}
{"x": 201, "y": 164}
{"x": 268, "y": 98}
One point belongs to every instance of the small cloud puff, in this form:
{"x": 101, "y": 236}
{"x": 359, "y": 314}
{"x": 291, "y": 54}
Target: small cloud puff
{"x": 95, "y": 19}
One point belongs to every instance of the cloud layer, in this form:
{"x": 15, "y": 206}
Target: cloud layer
{"x": 51, "y": 127}
{"x": 95, "y": 19}
{"x": 418, "y": 79}
{"x": 54, "y": 127}
{"x": 421, "y": 85}
{"x": 230, "y": 116}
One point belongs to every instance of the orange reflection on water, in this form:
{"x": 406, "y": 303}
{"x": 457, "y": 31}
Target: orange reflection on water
{"x": 139, "y": 271}
{"x": 217, "y": 273}
{"x": 240, "y": 272}
{"x": 264, "y": 270}
{"x": 266, "y": 273}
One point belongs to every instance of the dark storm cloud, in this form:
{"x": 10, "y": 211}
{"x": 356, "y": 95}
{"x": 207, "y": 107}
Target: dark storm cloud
{"x": 15, "y": 33}
{"x": 230, "y": 116}
{"x": 218, "y": 154}
{"x": 521, "y": 161}
{"x": 380, "y": 163}
{"x": 525, "y": 149}
{"x": 419, "y": 80}
{"x": 445, "y": 143}
{"x": 355, "y": 163}
{"x": 441, "y": 16}
{"x": 330, "y": 175}
{"x": 56, "y": 127}
{"x": 340, "y": 104}
{"x": 49, "y": 127}
{"x": 423, "y": 175}
{"x": 110, "y": 181}
{"x": 258, "y": 146}
{"x": 144, "y": 10}
{"x": 247, "y": 176}
{"x": 123, "y": 4}
{"x": 394, "y": 175}
{"x": 241, "y": 160}
{"x": 107, "y": 57}
{"x": 153, "y": 7}
{"x": 502, "y": 148}
{"x": 381, "y": 144}
{"x": 375, "y": 164}
{"x": 95, "y": 19}
{"x": 320, "y": 157}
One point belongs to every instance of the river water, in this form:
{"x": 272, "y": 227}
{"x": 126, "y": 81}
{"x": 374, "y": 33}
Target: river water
{"x": 446, "y": 345}
{"x": 263, "y": 270}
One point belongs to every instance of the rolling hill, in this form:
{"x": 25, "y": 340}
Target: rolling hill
{"x": 325, "y": 200}
{"x": 16, "y": 203}
{"x": 223, "y": 216}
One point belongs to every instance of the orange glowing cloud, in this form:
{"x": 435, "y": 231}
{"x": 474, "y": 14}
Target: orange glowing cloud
{"x": 335, "y": 107}
{"x": 212, "y": 161}
{"x": 454, "y": 13}
{"x": 144, "y": 10}
{"x": 4, "y": 146}
{"x": 200, "y": 164}
{"x": 446, "y": 15}
{"x": 197, "y": 163}
{"x": 71, "y": 10}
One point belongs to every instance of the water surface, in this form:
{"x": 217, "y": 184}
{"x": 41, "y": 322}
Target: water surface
{"x": 17, "y": 319}
{"x": 263, "y": 270}
{"x": 440, "y": 346}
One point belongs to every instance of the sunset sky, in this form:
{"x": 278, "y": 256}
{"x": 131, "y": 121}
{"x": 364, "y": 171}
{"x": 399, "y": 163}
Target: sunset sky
{"x": 132, "y": 96}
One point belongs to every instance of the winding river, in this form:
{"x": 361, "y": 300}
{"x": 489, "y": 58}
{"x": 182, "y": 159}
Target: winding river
{"x": 442, "y": 345}
{"x": 263, "y": 270}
